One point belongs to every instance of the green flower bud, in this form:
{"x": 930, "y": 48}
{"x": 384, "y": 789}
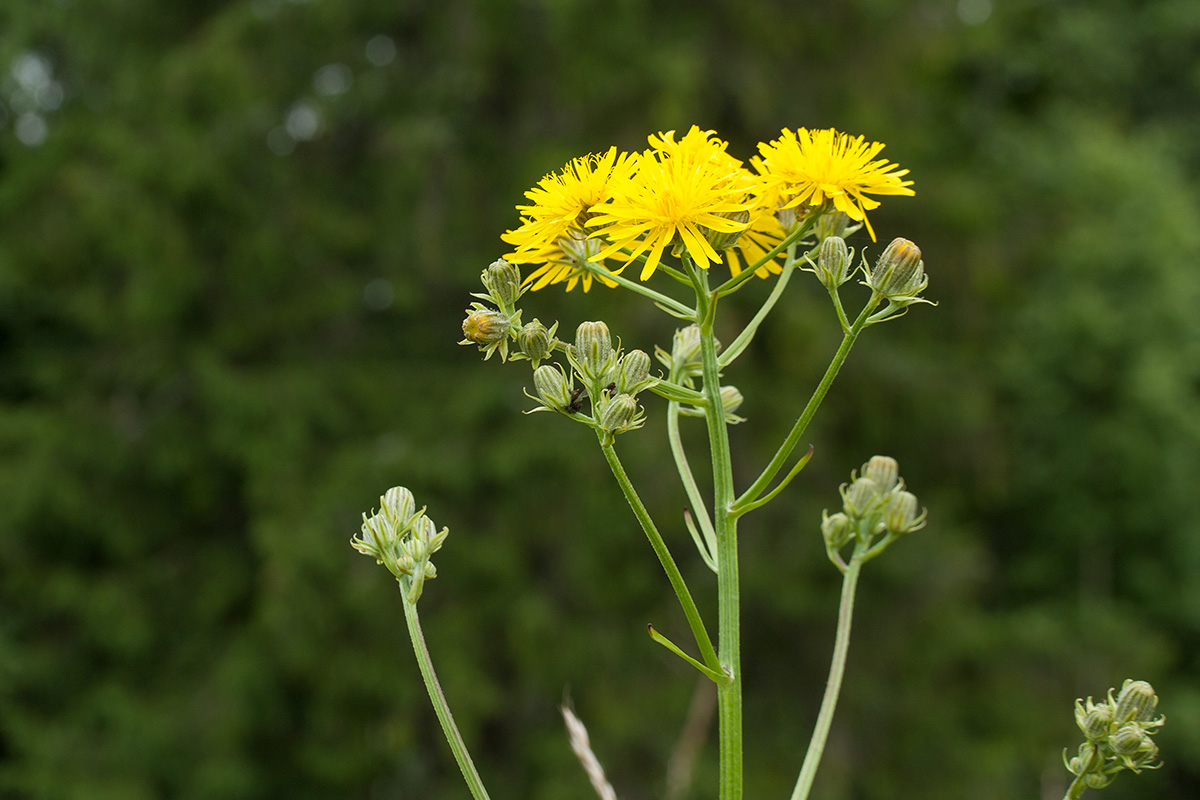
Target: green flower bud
{"x": 1097, "y": 780}
{"x": 723, "y": 240}
{"x": 861, "y": 498}
{"x": 1097, "y": 722}
{"x": 535, "y": 341}
{"x": 685, "y": 353}
{"x": 900, "y": 513}
{"x": 485, "y": 326}
{"x": 1090, "y": 759}
{"x": 553, "y": 388}
{"x": 503, "y": 282}
{"x": 398, "y": 502}
{"x": 884, "y": 471}
{"x": 833, "y": 262}
{"x": 620, "y": 414}
{"x": 594, "y": 356}
{"x": 899, "y": 272}
{"x": 731, "y": 401}
{"x": 376, "y": 537}
{"x": 834, "y": 223}
{"x": 1127, "y": 739}
{"x": 1136, "y": 702}
{"x": 633, "y": 373}
{"x": 837, "y": 530}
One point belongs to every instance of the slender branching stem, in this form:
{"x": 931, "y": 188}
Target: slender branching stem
{"x": 663, "y": 300}
{"x": 664, "y": 555}
{"x": 438, "y": 698}
{"x": 793, "y": 438}
{"x": 738, "y": 345}
{"x": 833, "y": 687}
{"x": 698, "y": 505}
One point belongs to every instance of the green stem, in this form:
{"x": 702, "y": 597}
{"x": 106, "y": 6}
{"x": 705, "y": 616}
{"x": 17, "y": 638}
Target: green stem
{"x": 699, "y": 507}
{"x": 729, "y": 696}
{"x": 1076, "y": 789}
{"x": 810, "y": 410}
{"x": 837, "y": 668}
{"x": 671, "y": 303}
{"x": 740, "y": 343}
{"x": 736, "y": 281}
{"x": 440, "y": 706}
{"x": 664, "y": 555}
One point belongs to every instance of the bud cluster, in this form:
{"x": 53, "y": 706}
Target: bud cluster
{"x": 875, "y": 503}
{"x": 495, "y": 324}
{"x": 1118, "y": 733}
{"x": 402, "y": 538}
{"x": 611, "y": 380}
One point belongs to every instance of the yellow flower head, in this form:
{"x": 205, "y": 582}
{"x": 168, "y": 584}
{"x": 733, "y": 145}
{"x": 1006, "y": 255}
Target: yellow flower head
{"x": 816, "y": 167}
{"x": 679, "y": 191}
{"x": 552, "y": 232}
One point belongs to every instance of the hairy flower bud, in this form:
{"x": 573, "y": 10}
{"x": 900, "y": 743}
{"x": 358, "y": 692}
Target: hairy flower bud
{"x": 399, "y": 503}
{"x": 633, "y": 374}
{"x": 684, "y": 359}
{"x": 594, "y": 356}
{"x": 1097, "y": 722}
{"x": 899, "y": 272}
{"x": 1127, "y": 739}
{"x": 553, "y": 388}
{"x": 620, "y": 414}
{"x": 837, "y": 530}
{"x": 503, "y": 282}
{"x": 485, "y": 326}
{"x": 884, "y": 471}
{"x": 860, "y": 498}
{"x": 900, "y": 514}
{"x": 1136, "y": 702}
{"x": 833, "y": 262}
{"x": 723, "y": 240}
{"x": 535, "y": 341}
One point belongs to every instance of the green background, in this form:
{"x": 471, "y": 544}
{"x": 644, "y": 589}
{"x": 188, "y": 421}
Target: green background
{"x": 232, "y": 274}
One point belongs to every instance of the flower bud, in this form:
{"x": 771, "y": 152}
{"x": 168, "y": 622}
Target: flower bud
{"x": 861, "y": 498}
{"x": 552, "y": 387}
{"x": 1127, "y": 739}
{"x": 398, "y": 502}
{"x": 633, "y": 374}
{"x": 503, "y": 282}
{"x": 1097, "y": 722}
{"x": 485, "y": 326}
{"x": 900, "y": 514}
{"x": 376, "y": 536}
{"x": 535, "y": 341}
{"x": 884, "y": 471}
{"x": 723, "y": 240}
{"x": 899, "y": 272}
{"x": 620, "y": 414}
{"x": 833, "y": 262}
{"x": 837, "y": 530}
{"x": 1090, "y": 759}
{"x": 685, "y": 352}
{"x": 1136, "y": 702}
{"x": 594, "y": 354}
{"x": 731, "y": 401}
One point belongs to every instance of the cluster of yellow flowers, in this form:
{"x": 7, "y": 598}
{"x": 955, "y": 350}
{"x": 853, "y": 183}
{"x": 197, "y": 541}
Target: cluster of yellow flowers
{"x": 691, "y": 194}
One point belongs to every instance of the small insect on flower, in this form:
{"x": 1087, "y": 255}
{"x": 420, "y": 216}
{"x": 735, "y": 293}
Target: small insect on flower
{"x": 576, "y": 404}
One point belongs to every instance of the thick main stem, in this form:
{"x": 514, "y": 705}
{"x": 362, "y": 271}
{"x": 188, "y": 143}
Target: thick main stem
{"x": 833, "y": 687}
{"x": 440, "y": 706}
{"x": 729, "y": 696}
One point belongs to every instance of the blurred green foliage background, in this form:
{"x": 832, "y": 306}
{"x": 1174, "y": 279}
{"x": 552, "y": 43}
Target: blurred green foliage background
{"x": 236, "y": 239}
